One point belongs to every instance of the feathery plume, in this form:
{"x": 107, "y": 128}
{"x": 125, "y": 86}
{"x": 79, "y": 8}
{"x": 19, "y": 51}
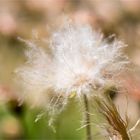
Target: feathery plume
{"x": 80, "y": 61}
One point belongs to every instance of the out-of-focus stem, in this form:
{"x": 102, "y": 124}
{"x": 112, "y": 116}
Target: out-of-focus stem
{"x": 87, "y": 118}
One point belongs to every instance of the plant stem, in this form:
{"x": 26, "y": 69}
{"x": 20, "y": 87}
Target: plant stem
{"x": 87, "y": 118}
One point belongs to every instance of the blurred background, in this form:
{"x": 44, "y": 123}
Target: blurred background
{"x": 26, "y": 19}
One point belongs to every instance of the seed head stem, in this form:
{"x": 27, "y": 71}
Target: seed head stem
{"x": 87, "y": 118}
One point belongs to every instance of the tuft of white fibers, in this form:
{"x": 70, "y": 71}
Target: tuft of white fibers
{"x": 81, "y": 62}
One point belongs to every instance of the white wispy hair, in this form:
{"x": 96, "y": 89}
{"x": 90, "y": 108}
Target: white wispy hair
{"x": 81, "y": 61}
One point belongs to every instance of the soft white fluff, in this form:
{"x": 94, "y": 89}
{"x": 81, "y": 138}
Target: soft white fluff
{"x": 81, "y": 62}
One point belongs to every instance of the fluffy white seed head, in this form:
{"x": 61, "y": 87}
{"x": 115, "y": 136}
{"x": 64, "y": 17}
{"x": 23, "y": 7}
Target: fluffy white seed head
{"x": 81, "y": 62}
